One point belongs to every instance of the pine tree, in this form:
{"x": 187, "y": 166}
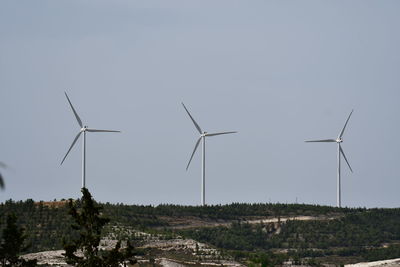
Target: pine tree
{"x": 13, "y": 244}
{"x": 89, "y": 223}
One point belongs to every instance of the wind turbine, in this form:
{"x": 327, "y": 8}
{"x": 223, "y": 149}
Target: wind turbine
{"x": 202, "y": 137}
{"x": 83, "y": 130}
{"x": 338, "y": 140}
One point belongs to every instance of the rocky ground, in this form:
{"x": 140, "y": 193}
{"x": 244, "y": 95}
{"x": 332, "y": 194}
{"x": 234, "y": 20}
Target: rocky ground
{"x": 186, "y": 222}
{"x": 48, "y": 258}
{"x": 386, "y": 263}
{"x": 55, "y": 258}
{"x": 196, "y": 253}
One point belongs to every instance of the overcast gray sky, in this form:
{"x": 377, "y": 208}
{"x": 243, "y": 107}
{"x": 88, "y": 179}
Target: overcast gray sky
{"x": 279, "y": 72}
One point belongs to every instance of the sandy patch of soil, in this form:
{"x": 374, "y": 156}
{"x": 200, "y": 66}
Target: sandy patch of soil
{"x": 386, "y": 263}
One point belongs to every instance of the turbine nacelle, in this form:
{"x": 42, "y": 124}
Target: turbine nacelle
{"x": 339, "y": 140}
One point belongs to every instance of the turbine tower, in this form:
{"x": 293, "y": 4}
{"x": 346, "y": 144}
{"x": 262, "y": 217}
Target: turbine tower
{"x": 202, "y": 137}
{"x": 340, "y": 151}
{"x": 83, "y": 130}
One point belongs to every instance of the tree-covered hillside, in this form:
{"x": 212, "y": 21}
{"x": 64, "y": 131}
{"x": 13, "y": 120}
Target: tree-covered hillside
{"x": 244, "y": 228}
{"x": 370, "y": 228}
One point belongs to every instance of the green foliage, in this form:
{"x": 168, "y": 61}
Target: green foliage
{"x": 368, "y": 228}
{"x": 232, "y": 211}
{"x": 391, "y": 252}
{"x": 239, "y": 236}
{"x": 44, "y": 225}
{"x": 356, "y": 233}
{"x": 89, "y": 223}
{"x": 260, "y": 258}
{"x": 13, "y": 244}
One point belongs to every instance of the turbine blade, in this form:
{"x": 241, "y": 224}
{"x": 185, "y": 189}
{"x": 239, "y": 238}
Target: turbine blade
{"x": 195, "y": 123}
{"x": 194, "y": 150}
{"x": 214, "y": 134}
{"x": 105, "y": 131}
{"x": 325, "y": 140}
{"x": 73, "y": 143}
{"x": 1, "y": 182}
{"x": 76, "y": 114}
{"x": 341, "y": 151}
{"x": 344, "y": 127}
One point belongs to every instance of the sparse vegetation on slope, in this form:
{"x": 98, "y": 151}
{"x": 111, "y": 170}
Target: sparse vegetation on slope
{"x": 247, "y": 231}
